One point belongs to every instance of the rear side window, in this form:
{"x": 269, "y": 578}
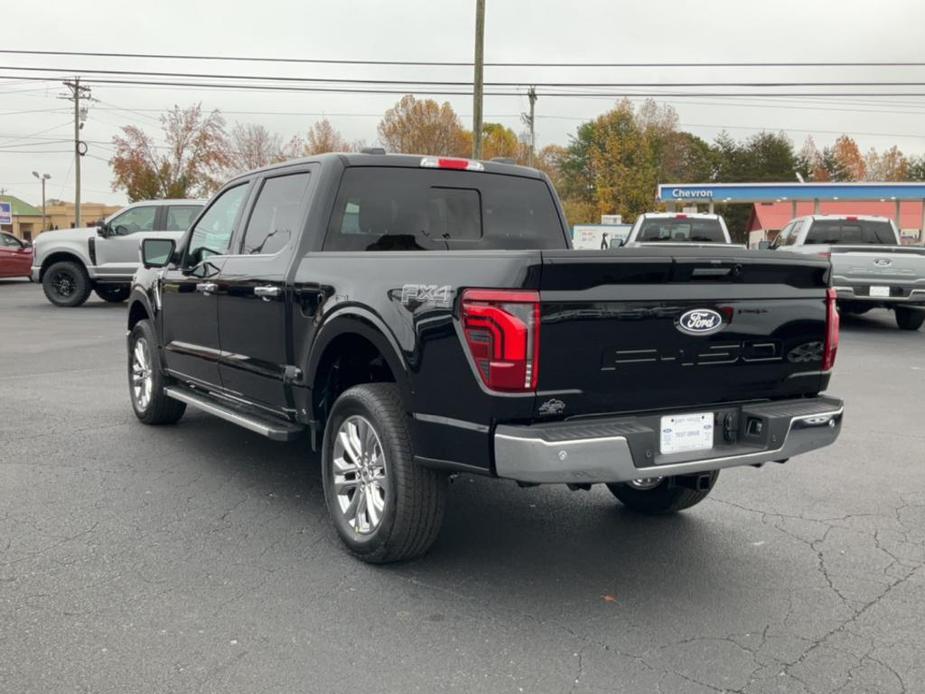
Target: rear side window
{"x": 179, "y": 217}
{"x": 861, "y": 231}
{"x": 277, "y": 212}
{"x": 680, "y": 230}
{"x": 395, "y": 209}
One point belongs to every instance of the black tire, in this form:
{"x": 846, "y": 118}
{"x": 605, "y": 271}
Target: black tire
{"x": 113, "y": 293}
{"x": 157, "y": 408}
{"x": 414, "y": 496}
{"x": 909, "y": 318}
{"x": 667, "y": 497}
{"x": 66, "y": 284}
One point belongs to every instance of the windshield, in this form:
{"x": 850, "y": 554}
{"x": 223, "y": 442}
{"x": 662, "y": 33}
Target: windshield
{"x": 681, "y": 230}
{"x": 852, "y": 232}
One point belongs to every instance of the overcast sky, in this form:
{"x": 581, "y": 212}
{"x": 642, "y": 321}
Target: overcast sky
{"x": 516, "y": 30}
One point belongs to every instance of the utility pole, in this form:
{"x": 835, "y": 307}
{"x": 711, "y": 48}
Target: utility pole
{"x": 76, "y": 92}
{"x": 477, "y": 79}
{"x": 530, "y": 121}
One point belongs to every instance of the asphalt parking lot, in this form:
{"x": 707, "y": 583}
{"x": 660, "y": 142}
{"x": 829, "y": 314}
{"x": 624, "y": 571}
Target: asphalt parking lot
{"x": 199, "y": 558}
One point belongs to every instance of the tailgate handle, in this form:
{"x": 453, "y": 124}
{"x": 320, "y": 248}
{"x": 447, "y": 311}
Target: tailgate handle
{"x": 712, "y": 271}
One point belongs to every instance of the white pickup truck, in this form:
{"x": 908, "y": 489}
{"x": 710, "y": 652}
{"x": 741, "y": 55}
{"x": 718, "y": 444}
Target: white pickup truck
{"x": 870, "y": 268}
{"x": 669, "y": 228}
{"x": 70, "y": 263}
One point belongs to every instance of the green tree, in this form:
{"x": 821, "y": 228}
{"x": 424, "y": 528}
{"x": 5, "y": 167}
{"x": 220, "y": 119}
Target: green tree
{"x": 613, "y": 163}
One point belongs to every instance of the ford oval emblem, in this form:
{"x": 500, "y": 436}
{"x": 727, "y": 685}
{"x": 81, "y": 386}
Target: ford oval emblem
{"x": 700, "y": 321}
{"x": 882, "y": 262}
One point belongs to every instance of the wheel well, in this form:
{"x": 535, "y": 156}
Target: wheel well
{"x": 58, "y": 257}
{"x": 349, "y": 360}
{"x": 136, "y": 313}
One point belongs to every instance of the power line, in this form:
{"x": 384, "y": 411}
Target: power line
{"x": 445, "y": 83}
{"x": 575, "y": 94}
{"x": 448, "y": 63}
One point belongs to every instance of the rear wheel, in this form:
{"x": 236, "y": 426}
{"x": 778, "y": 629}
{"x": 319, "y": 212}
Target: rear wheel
{"x": 66, "y": 284}
{"x": 145, "y": 380}
{"x": 113, "y": 293}
{"x": 655, "y": 495}
{"x": 385, "y": 507}
{"x": 909, "y": 318}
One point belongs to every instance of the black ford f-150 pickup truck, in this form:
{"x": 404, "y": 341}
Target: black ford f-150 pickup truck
{"x": 422, "y": 316}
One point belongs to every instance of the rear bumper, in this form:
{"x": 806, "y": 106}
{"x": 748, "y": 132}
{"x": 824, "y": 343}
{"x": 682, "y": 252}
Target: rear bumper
{"x": 898, "y": 294}
{"x": 620, "y": 449}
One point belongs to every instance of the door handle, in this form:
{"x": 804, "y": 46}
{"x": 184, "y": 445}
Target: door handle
{"x": 266, "y": 292}
{"x": 206, "y": 287}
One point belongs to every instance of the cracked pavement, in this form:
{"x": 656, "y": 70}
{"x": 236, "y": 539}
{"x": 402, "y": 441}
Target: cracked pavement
{"x": 199, "y": 558}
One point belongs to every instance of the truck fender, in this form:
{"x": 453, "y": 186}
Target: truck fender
{"x": 359, "y": 321}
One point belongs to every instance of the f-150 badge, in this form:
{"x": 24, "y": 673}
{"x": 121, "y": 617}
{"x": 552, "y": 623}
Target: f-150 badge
{"x": 419, "y": 294}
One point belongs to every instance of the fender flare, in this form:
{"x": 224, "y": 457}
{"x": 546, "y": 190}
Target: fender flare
{"x": 359, "y": 321}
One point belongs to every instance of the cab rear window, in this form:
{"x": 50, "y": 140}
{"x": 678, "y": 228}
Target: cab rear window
{"x": 679, "y": 230}
{"x": 861, "y": 231}
{"x": 397, "y": 209}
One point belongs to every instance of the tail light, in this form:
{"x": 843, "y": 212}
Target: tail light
{"x": 502, "y": 330}
{"x": 831, "y": 330}
{"x": 825, "y": 254}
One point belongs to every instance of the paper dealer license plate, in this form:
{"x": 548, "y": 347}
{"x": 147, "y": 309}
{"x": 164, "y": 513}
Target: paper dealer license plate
{"x": 879, "y": 291}
{"x": 687, "y": 432}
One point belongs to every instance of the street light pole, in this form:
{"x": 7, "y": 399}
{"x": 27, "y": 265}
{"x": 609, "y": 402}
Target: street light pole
{"x": 42, "y": 178}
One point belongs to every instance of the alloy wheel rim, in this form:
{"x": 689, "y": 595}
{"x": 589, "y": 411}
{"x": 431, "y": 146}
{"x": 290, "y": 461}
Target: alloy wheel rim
{"x": 359, "y": 475}
{"x": 142, "y": 378}
{"x": 63, "y": 284}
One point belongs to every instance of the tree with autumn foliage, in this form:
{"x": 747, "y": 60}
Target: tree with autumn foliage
{"x": 615, "y": 162}
{"x": 252, "y": 146}
{"x": 889, "y": 165}
{"x": 500, "y": 141}
{"x": 324, "y": 137}
{"x": 415, "y": 126}
{"x": 191, "y": 162}
{"x": 848, "y": 156}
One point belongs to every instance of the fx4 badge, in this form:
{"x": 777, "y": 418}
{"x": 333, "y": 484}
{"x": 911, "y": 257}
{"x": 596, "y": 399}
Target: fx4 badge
{"x": 700, "y": 321}
{"x": 419, "y": 294}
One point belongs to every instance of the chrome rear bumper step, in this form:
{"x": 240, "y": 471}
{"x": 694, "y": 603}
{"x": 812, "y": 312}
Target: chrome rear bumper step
{"x": 621, "y": 449}
{"x": 265, "y": 425}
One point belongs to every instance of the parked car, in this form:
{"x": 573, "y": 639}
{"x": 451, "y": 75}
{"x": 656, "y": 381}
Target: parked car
{"x": 870, "y": 267}
{"x": 70, "y": 263}
{"x": 15, "y": 256}
{"x": 424, "y": 316}
{"x": 683, "y": 228}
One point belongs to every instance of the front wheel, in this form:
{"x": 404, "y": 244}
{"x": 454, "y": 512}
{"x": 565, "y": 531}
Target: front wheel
{"x": 113, "y": 293}
{"x": 66, "y": 284}
{"x": 909, "y": 318}
{"x": 145, "y": 380}
{"x": 385, "y": 507}
{"x": 664, "y": 494}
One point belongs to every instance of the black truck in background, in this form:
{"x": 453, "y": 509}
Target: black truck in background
{"x": 423, "y": 316}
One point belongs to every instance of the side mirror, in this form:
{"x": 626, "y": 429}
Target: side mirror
{"x": 104, "y": 230}
{"x": 157, "y": 252}
{"x": 764, "y": 245}
{"x": 26, "y": 245}
{"x": 617, "y": 243}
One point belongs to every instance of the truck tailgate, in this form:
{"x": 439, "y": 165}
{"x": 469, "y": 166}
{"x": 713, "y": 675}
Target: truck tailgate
{"x": 641, "y": 329}
{"x": 878, "y": 264}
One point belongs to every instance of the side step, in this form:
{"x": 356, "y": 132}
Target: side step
{"x": 265, "y": 425}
